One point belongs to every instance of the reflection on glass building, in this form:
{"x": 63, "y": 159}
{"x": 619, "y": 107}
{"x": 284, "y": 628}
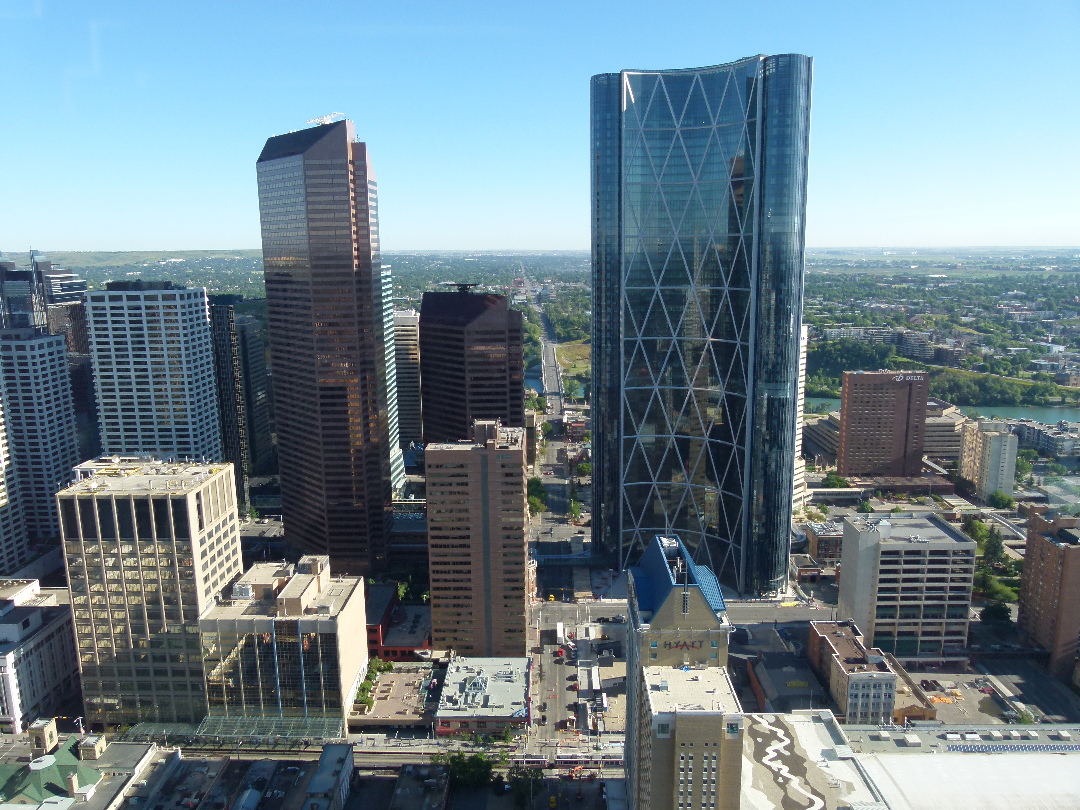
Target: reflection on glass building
{"x": 699, "y": 196}
{"x": 285, "y": 645}
{"x": 331, "y": 335}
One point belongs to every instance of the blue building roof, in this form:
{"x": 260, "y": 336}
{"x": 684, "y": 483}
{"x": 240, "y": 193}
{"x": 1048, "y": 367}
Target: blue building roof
{"x": 666, "y": 566}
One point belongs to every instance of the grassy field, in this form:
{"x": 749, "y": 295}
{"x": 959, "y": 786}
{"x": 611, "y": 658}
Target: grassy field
{"x": 574, "y": 358}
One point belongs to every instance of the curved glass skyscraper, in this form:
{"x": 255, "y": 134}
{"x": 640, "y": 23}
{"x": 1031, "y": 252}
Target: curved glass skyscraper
{"x": 699, "y": 199}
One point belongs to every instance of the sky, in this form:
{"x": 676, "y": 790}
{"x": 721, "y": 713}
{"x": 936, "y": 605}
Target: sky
{"x": 136, "y": 125}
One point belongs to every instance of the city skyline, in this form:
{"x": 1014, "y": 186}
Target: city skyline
{"x": 906, "y": 99}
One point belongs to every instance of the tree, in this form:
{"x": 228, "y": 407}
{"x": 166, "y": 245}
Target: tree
{"x": 536, "y": 506}
{"x": 572, "y": 388}
{"x": 1023, "y": 468}
{"x": 834, "y": 481}
{"x": 584, "y": 468}
{"x": 468, "y": 772}
{"x": 999, "y": 500}
{"x": 993, "y": 547}
{"x": 865, "y": 507}
{"x": 525, "y": 784}
{"x": 575, "y": 511}
{"x": 546, "y": 428}
{"x": 995, "y": 612}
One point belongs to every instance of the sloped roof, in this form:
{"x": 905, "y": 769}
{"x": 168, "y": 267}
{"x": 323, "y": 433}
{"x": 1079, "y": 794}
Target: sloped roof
{"x": 296, "y": 143}
{"x": 46, "y": 777}
{"x": 654, "y": 576}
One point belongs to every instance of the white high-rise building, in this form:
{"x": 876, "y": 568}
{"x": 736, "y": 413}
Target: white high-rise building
{"x": 40, "y": 417}
{"x": 154, "y": 370}
{"x": 407, "y": 355}
{"x": 13, "y": 545}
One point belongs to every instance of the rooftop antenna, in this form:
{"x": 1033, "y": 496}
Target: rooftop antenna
{"x": 326, "y": 119}
{"x": 462, "y": 287}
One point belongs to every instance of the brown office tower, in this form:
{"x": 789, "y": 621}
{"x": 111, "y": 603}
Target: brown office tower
{"x": 1049, "y": 610}
{"x": 882, "y": 423}
{"x": 481, "y": 575}
{"x": 331, "y": 344}
{"x": 471, "y": 363}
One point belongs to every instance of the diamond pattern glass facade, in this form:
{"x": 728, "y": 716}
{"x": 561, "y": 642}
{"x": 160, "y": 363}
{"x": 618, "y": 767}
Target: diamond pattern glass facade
{"x": 699, "y": 194}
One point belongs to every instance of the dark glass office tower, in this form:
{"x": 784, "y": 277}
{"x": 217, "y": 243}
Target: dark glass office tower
{"x": 240, "y": 378}
{"x": 699, "y": 194}
{"x": 471, "y": 363}
{"x": 331, "y": 344}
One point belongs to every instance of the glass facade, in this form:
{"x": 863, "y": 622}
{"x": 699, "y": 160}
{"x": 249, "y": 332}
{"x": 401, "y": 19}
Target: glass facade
{"x": 699, "y": 193}
{"x": 331, "y": 337}
{"x": 271, "y": 668}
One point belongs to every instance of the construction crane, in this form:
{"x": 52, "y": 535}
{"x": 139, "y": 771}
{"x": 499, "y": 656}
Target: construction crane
{"x": 326, "y": 119}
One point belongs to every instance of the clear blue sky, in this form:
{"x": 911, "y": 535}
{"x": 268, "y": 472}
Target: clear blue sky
{"x": 136, "y": 125}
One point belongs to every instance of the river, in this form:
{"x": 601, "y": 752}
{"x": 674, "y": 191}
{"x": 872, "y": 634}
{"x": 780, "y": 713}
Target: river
{"x": 1038, "y": 413}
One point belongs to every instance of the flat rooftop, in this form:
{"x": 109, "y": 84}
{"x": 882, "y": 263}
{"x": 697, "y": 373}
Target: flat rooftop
{"x": 849, "y": 647}
{"x": 485, "y": 687}
{"x": 326, "y": 604}
{"x": 673, "y": 689}
{"x": 139, "y": 475}
{"x": 410, "y": 626}
{"x": 909, "y": 528}
{"x": 508, "y": 438}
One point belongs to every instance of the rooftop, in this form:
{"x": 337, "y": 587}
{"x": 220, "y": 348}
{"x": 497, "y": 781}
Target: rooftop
{"x": 682, "y": 689}
{"x": 911, "y": 529}
{"x": 665, "y": 565}
{"x": 272, "y": 590}
{"x": 140, "y": 474}
{"x": 378, "y": 599}
{"x": 827, "y": 528}
{"x": 850, "y": 652}
{"x": 485, "y": 687}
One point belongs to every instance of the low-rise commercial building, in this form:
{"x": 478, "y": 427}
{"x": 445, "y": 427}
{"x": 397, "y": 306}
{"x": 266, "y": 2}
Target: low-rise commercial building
{"x": 1049, "y": 610}
{"x": 907, "y": 583}
{"x": 825, "y": 540}
{"x": 285, "y": 644}
{"x": 484, "y": 696}
{"x": 395, "y": 632}
{"x": 39, "y": 665}
{"x": 46, "y": 772}
{"x": 860, "y": 679}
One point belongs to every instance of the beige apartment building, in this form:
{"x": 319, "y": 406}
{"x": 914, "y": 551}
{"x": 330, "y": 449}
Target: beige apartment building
{"x": 480, "y": 573}
{"x": 148, "y": 546}
{"x": 906, "y": 583}
{"x": 988, "y": 457}
{"x": 1049, "y": 610}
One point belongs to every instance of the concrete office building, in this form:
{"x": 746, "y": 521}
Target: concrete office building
{"x": 471, "y": 363}
{"x": 38, "y": 407}
{"x": 285, "y": 645}
{"x": 407, "y": 359}
{"x": 14, "y": 547}
{"x": 689, "y": 752}
{"x": 698, "y": 210}
{"x": 882, "y": 423}
{"x": 907, "y": 584}
{"x": 988, "y": 458}
{"x": 678, "y": 619}
{"x": 39, "y": 668}
{"x": 154, "y": 370}
{"x": 943, "y": 431}
{"x": 241, "y": 382}
{"x": 331, "y": 334}
{"x": 1049, "y": 610}
{"x": 481, "y": 577}
{"x": 860, "y": 678}
{"x": 149, "y": 546}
